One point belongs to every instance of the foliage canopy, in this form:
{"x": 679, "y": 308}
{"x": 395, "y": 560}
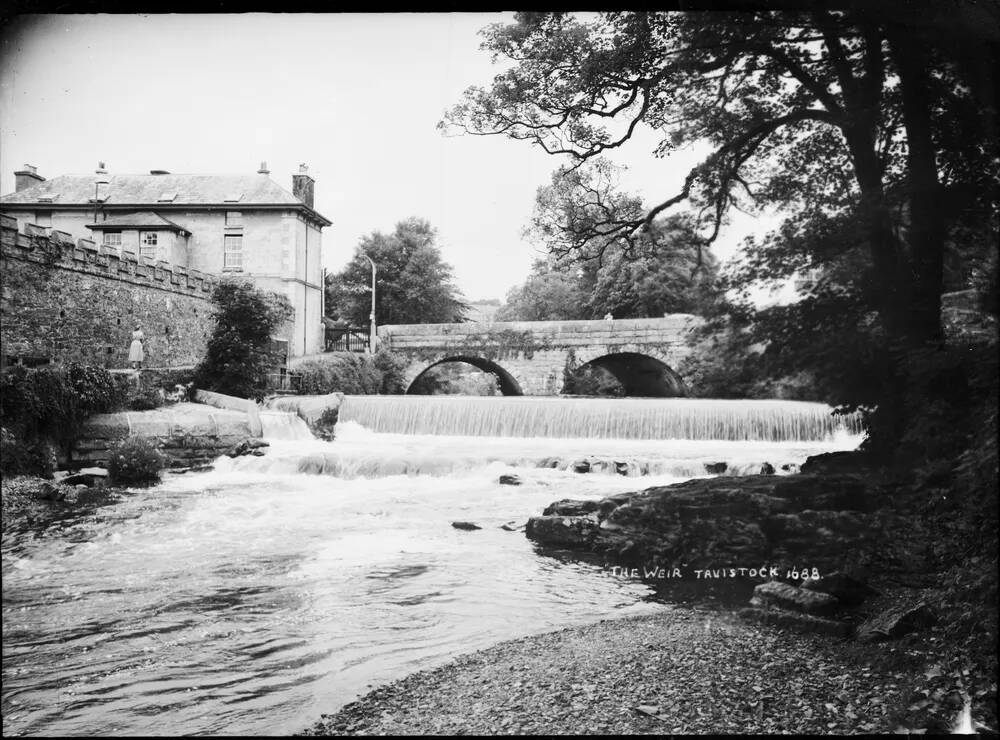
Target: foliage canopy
{"x": 861, "y": 110}
{"x": 240, "y": 351}
{"x": 413, "y": 284}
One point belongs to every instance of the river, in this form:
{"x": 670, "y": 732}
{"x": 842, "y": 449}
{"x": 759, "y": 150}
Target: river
{"x": 252, "y": 597}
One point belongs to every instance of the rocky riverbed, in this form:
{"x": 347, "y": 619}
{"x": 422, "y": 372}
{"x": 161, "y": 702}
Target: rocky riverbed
{"x": 868, "y": 647}
{"x": 684, "y": 671}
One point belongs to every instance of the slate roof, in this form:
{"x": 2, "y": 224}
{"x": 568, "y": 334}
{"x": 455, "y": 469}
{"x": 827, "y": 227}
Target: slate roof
{"x": 155, "y": 191}
{"x": 141, "y": 220}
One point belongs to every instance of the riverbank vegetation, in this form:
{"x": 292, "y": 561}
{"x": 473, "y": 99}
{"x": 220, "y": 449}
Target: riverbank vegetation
{"x": 43, "y": 409}
{"x": 352, "y": 373}
{"x": 135, "y": 460}
{"x": 240, "y": 352}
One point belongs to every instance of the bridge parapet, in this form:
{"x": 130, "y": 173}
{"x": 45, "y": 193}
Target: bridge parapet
{"x": 532, "y": 355}
{"x": 552, "y": 333}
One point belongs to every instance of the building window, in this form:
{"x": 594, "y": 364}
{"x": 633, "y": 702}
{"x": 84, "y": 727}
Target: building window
{"x": 232, "y": 258}
{"x": 113, "y": 239}
{"x": 147, "y": 243}
{"x": 234, "y": 218}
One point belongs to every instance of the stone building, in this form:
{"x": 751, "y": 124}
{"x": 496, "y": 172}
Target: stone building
{"x": 222, "y": 225}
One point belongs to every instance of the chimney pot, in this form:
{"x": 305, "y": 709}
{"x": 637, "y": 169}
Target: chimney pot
{"x": 263, "y": 169}
{"x": 100, "y": 169}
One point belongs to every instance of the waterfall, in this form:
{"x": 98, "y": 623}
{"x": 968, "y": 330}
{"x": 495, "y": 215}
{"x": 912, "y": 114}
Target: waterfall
{"x": 600, "y": 418}
{"x": 283, "y": 425}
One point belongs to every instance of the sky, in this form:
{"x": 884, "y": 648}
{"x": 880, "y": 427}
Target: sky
{"x": 356, "y": 97}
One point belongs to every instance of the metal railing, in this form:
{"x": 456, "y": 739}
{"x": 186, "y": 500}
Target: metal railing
{"x": 283, "y": 381}
{"x": 347, "y": 339}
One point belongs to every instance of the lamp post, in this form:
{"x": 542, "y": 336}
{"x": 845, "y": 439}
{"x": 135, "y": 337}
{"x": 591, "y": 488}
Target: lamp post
{"x": 371, "y": 316}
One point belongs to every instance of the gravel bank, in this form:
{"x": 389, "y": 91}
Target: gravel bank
{"x": 682, "y": 671}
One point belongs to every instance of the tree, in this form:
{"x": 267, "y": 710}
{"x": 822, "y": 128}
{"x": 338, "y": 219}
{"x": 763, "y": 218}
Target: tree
{"x": 885, "y": 117}
{"x": 240, "y": 351}
{"x": 551, "y": 293}
{"x": 663, "y": 270}
{"x": 677, "y": 279}
{"x": 413, "y": 284}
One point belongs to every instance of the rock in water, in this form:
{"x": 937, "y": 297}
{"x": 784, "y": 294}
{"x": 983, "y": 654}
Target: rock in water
{"x": 89, "y": 477}
{"x": 510, "y": 480}
{"x": 576, "y": 531}
{"x": 469, "y": 526}
{"x": 785, "y": 596}
{"x": 716, "y": 468}
{"x": 767, "y": 469}
{"x": 570, "y": 507}
{"x": 250, "y": 446}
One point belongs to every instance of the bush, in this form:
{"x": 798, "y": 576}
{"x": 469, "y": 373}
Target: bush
{"x": 48, "y": 405}
{"x": 240, "y": 351}
{"x": 170, "y": 378}
{"x": 25, "y": 457}
{"x": 135, "y": 460}
{"x": 392, "y": 368}
{"x": 145, "y": 399}
{"x": 352, "y": 373}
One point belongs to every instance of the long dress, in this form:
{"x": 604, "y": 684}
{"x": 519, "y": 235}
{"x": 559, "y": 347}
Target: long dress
{"x": 135, "y": 353}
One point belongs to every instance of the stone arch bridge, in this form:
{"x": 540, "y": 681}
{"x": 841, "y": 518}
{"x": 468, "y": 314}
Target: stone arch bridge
{"x": 530, "y": 357}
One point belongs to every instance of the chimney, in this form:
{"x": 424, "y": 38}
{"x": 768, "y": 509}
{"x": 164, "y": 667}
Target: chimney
{"x": 100, "y": 169}
{"x": 302, "y": 186}
{"x": 26, "y": 178}
{"x": 263, "y": 169}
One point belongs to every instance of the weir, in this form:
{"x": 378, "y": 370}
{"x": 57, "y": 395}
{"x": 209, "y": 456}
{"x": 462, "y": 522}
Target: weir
{"x": 619, "y": 418}
{"x": 283, "y": 425}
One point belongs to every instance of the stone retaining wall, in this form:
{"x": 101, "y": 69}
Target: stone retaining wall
{"x": 62, "y": 300}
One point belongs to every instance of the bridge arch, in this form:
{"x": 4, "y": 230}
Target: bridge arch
{"x": 508, "y": 383}
{"x": 640, "y": 374}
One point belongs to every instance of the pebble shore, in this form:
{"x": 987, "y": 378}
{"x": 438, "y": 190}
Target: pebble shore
{"x": 680, "y": 671}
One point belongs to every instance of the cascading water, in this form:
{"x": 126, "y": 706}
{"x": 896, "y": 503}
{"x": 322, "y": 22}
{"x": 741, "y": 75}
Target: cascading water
{"x": 283, "y": 425}
{"x": 251, "y": 598}
{"x": 605, "y": 418}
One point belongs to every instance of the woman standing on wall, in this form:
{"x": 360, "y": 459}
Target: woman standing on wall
{"x": 135, "y": 352}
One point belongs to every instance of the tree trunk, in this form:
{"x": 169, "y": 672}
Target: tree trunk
{"x": 927, "y": 228}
